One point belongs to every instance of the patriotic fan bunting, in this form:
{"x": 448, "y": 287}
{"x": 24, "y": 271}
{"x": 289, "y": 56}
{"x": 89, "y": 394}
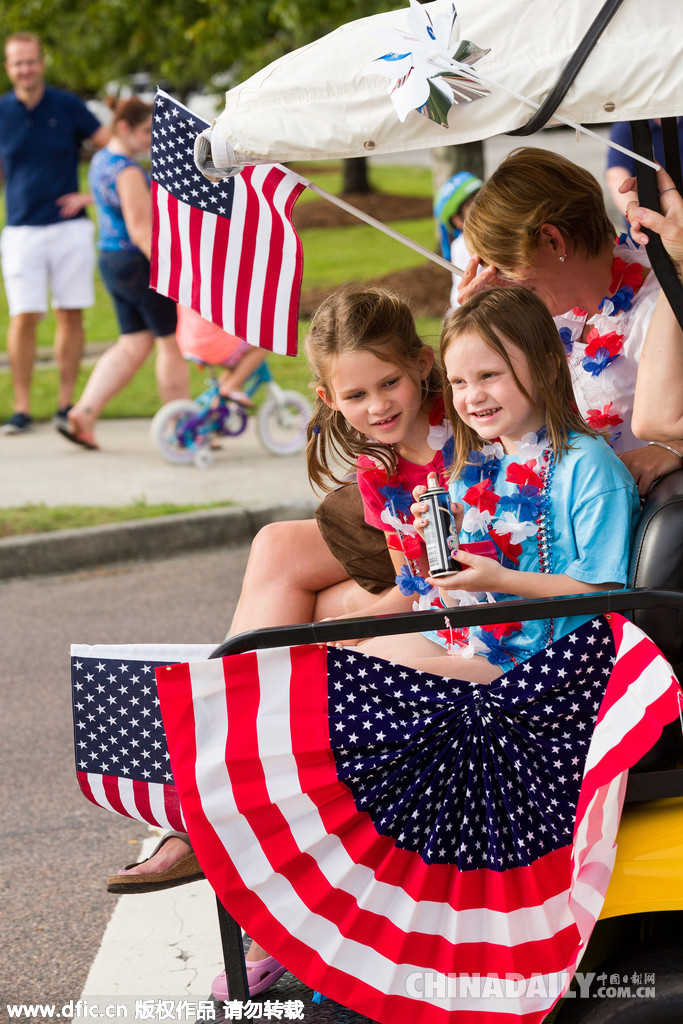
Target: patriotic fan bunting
{"x": 387, "y": 834}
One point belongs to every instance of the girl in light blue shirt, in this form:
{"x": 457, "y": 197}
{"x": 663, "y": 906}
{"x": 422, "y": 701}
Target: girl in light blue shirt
{"x": 543, "y": 507}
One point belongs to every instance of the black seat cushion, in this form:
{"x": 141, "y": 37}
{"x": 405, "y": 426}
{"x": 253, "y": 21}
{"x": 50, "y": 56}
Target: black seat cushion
{"x": 657, "y": 562}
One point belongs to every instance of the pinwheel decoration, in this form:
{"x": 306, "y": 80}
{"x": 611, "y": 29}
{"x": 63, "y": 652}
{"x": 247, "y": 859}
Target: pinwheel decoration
{"x": 430, "y": 68}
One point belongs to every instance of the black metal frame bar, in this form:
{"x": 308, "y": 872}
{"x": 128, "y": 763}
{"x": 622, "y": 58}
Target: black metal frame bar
{"x": 648, "y": 195}
{"x": 641, "y": 787}
{"x": 597, "y": 603}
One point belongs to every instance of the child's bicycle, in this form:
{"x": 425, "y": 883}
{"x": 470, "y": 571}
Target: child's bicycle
{"x": 184, "y": 429}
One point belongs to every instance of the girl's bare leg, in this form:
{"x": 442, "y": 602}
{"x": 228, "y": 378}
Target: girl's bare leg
{"x": 172, "y": 370}
{"x": 113, "y": 370}
{"x": 232, "y": 380}
{"x": 416, "y": 651}
{"x": 292, "y": 576}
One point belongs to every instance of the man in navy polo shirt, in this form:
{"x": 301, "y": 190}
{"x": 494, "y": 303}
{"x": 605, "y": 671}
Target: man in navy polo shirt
{"x": 48, "y": 241}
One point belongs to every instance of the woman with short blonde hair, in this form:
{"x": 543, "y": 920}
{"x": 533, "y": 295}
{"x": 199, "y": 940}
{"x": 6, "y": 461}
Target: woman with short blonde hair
{"x": 540, "y": 221}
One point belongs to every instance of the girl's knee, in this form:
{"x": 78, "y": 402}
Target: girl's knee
{"x": 284, "y": 544}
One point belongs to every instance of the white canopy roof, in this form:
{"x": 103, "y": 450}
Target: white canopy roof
{"x": 319, "y": 102}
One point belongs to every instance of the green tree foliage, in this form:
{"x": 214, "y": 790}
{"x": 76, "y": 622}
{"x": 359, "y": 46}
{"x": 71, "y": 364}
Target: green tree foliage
{"x": 184, "y": 44}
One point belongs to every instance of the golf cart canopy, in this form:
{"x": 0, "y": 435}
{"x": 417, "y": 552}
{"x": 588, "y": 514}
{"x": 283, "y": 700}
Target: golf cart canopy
{"x": 335, "y": 97}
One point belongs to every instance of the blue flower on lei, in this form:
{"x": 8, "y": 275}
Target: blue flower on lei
{"x": 566, "y": 339}
{"x": 409, "y": 584}
{"x": 525, "y": 504}
{"x": 620, "y": 301}
{"x": 448, "y": 452}
{"x": 396, "y": 498}
{"x": 603, "y": 358}
{"x": 497, "y": 653}
{"x": 478, "y": 467}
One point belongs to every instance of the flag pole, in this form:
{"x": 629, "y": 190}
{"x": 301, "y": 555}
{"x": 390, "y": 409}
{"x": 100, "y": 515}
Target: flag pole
{"x": 361, "y": 215}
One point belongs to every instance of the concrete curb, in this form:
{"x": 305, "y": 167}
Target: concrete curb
{"x": 139, "y": 539}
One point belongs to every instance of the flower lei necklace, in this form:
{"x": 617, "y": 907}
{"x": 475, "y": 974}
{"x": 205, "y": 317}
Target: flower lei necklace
{"x": 506, "y": 524}
{"x": 604, "y": 344}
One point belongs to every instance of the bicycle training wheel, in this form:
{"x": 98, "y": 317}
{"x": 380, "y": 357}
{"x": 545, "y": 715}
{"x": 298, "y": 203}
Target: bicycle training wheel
{"x": 166, "y": 429}
{"x": 282, "y": 423}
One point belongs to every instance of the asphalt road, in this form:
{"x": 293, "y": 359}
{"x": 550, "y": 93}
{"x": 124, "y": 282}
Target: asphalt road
{"x": 58, "y": 849}
{"x": 60, "y": 930}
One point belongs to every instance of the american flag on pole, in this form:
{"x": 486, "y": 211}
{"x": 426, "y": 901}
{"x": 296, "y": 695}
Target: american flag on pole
{"x": 227, "y": 249}
{"x": 122, "y": 760}
{"x": 417, "y": 847}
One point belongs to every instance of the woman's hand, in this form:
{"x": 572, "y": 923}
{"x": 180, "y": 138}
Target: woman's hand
{"x": 650, "y": 463}
{"x": 474, "y": 281}
{"x": 72, "y": 203}
{"x": 668, "y": 223}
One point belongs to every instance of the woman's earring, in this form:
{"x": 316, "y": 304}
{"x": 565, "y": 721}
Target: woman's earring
{"x": 563, "y": 257}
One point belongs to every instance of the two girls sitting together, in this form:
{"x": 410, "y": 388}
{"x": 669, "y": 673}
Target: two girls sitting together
{"x": 533, "y": 486}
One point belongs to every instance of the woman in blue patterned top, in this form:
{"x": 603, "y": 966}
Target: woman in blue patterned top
{"x": 121, "y": 193}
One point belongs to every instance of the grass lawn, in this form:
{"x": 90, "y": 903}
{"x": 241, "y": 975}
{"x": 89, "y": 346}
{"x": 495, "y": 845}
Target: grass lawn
{"x": 43, "y": 518}
{"x": 332, "y": 256}
{"x": 140, "y": 398}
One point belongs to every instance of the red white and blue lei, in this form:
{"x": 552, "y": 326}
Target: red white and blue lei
{"x": 398, "y": 499}
{"x": 504, "y": 526}
{"x": 606, "y": 402}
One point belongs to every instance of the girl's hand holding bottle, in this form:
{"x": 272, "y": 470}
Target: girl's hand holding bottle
{"x": 479, "y": 574}
{"x": 418, "y": 508}
{"x": 476, "y": 573}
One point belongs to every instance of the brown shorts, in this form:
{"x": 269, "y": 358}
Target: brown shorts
{"x": 361, "y": 549}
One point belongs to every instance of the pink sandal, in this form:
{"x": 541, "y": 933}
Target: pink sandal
{"x": 261, "y": 974}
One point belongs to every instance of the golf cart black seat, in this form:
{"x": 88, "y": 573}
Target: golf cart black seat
{"x": 657, "y": 563}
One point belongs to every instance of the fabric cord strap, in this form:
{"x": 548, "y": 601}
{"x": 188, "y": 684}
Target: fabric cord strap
{"x": 570, "y": 70}
{"x": 648, "y": 196}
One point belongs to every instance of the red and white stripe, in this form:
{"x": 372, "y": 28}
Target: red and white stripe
{"x": 244, "y": 272}
{"x": 312, "y": 880}
{"x": 153, "y": 803}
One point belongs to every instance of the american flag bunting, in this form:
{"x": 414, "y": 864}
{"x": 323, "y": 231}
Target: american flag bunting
{"x": 122, "y": 760}
{"x": 370, "y": 825}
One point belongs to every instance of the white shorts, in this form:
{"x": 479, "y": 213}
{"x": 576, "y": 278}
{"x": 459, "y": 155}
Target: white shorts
{"x": 59, "y": 258}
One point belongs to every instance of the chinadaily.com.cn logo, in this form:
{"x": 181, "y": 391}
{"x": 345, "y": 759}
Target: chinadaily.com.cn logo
{"x": 430, "y": 985}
